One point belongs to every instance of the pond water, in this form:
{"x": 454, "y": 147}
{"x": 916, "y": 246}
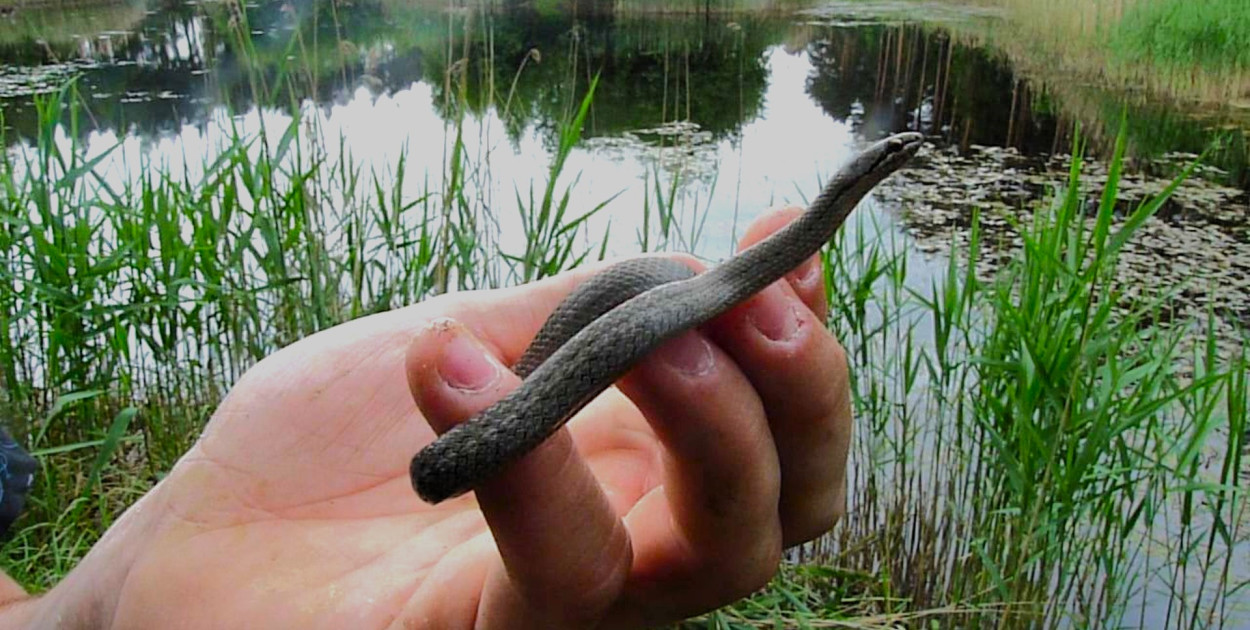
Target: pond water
{"x": 746, "y": 109}
{"x": 149, "y": 70}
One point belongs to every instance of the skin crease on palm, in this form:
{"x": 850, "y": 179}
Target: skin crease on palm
{"x": 670, "y": 495}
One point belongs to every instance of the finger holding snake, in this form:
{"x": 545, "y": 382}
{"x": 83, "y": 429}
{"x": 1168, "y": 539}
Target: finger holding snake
{"x": 619, "y": 316}
{"x": 748, "y": 416}
{"x": 709, "y": 504}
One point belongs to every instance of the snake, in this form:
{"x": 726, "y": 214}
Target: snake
{"x": 615, "y": 318}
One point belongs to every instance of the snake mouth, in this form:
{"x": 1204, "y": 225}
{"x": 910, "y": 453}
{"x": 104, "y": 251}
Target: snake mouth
{"x": 910, "y": 142}
{"x": 886, "y": 156}
{"x": 900, "y": 148}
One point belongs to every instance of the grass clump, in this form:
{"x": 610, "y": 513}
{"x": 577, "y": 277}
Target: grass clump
{"x": 1035, "y": 449}
{"x": 1177, "y": 50}
{"x": 1210, "y": 33}
{"x": 128, "y": 307}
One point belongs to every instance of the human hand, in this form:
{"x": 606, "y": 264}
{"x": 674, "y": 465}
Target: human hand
{"x": 671, "y": 496}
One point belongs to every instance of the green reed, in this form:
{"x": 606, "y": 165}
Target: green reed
{"x": 1032, "y": 449}
{"x": 1024, "y": 436}
{"x": 129, "y": 306}
{"x": 1193, "y": 52}
{"x": 152, "y": 295}
{"x": 1213, "y": 34}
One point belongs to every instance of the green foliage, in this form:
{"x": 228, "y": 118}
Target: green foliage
{"x": 1067, "y": 387}
{"x": 1210, "y": 33}
{"x": 1071, "y": 433}
{"x": 127, "y": 309}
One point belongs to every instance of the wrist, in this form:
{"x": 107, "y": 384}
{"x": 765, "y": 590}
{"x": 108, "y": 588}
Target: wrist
{"x": 88, "y": 596}
{"x": 19, "y": 609}
{"x": 20, "y": 612}
{"x": 72, "y": 604}
{"x": 16, "y": 606}
{"x": 60, "y": 608}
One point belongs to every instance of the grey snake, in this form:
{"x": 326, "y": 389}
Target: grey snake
{"x": 617, "y": 317}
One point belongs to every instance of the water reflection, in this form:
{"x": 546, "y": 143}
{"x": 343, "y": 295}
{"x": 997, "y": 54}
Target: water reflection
{"x": 893, "y": 77}
{"x": 150, "y": 72}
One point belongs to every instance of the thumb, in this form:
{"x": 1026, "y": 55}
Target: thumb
{"x": 557, "y": 570}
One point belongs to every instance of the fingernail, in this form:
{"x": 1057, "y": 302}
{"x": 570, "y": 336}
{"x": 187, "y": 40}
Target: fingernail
{"x": 464, "y": 365}
{"x": 774, "y": 316}
{"x": 806, "y": 274}
{"x": 688, "y": 353}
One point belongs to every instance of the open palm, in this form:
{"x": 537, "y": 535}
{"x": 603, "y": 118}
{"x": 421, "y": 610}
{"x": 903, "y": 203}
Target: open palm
{"x": 673, "y": 495}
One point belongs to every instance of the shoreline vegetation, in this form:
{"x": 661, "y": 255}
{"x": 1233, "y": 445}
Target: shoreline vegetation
{"x": 1027, "y": 452}
{"x": 1197, "y": 53}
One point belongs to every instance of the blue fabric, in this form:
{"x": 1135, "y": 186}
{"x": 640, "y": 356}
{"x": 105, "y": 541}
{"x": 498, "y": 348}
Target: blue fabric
{"x": 17, "y": 474}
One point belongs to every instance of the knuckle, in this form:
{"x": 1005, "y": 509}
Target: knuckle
{"x": 816, "y": 525}
{"x": 757, "y": 572}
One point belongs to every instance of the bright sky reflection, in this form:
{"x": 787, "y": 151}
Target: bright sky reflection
{"x": 780, "y": 158}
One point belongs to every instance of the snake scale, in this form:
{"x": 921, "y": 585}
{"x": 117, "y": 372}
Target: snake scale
{"x": 617, "y": 317}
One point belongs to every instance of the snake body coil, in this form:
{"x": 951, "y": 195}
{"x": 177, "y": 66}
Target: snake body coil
{"x": 617, "y": 317}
